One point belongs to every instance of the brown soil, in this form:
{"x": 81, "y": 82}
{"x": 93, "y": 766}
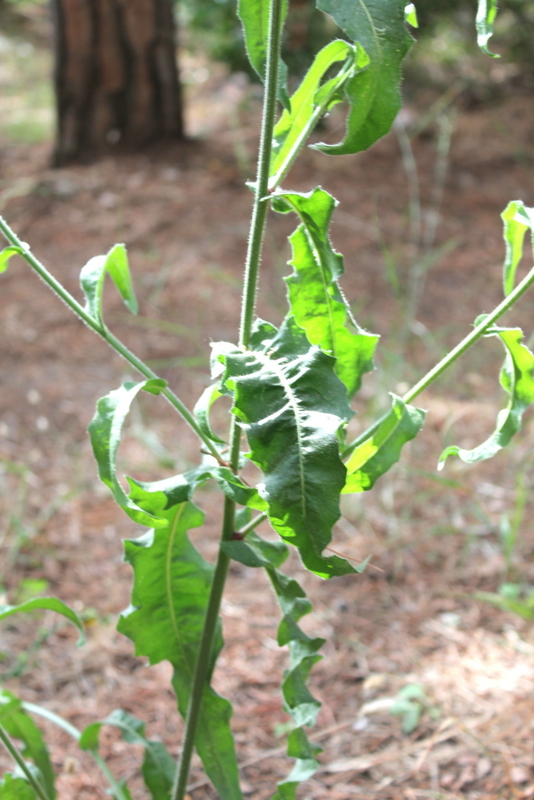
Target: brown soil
{"x": 183, "y": 215}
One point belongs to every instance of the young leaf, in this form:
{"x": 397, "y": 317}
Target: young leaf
{"x": 158, "y": 766}
{"x": 165, "y": 620}
{"x": 14, "y": 788}
{"x": 291, "y": 406}
{"x": 254, "y": 16}
{"x": 6, "y": 254}
{"x": 92, "y": 279}
{"x": 516, "y": 379}
{"x": 105, "y": 432}
{"x": 48, "y": 604}
{"x": 298, "y": 701}
{"x": 410, "y": 15}
{"x": 311, "y": 101}
{"x": 517, "y": 220}
{"x": 376, "y": 455}
{"x": 21, "y": 726}
{"x": 486, "y": 13}
{"x": 374, "y": 96}
{"x": 202, "y": 411}
{"x": 315, "y": 298}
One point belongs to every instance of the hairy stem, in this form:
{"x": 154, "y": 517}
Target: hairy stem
{"x": 18, "y": 759}
{"x": 104, "y": 333}
{"x": 257, "y": 227}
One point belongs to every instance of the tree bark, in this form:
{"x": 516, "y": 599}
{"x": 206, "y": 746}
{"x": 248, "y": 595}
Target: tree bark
{"x": 116, "y": 77}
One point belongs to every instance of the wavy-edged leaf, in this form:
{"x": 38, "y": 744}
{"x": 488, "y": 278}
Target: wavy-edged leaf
{"x": 315, "y": 298}
{"x": 14, "y": 788}
{"x": 486, "y": 14}
{"x": 22, "y": 727}
{"x": 517, "y": 381}
{"x": 105, "y": 432}
{"x": 158, "y": 765}
{"x": 374, "y": 95}
{"x": 291, "y": 406}
{"x": 254, "y": 16}
{"x": 171, "y": 587}
{"x": 7, "y": 253}
{"x": 202, "y": 411}
{"x": 303, "y": 650}
{"x": 311, "y": 101}
{"x": 92, "y": 277}
{"x": 45, "y": 604}
{"x": 517, "y": 219}
{"x": 377, "y": 454}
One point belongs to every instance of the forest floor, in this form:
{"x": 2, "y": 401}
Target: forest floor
{"x": 436, "y": 539}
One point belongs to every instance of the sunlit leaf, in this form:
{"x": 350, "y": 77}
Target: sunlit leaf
{"x": 315, "y": 298}
{"x": 291, "y": 406}
{"x": 517, "y": 219}
{"x": 254, "y": 16}
{"x": 516, "y": 379}
{"x": 410, "y": 15}
{"x": 105, "y": 431}
{"x": 377, "y": 454}
{"x": 92, "y": 277}
{"x": 165, "y": 620}
{"x": 298, "y": 700}
{"x": 373, "y": 94}
{"x": 158, "y": 765}
{"x": 21, "y": 726}
{"x": 6, "y": 254}
{"x": 486, "y": 14}
{"x": 45, "y": 604}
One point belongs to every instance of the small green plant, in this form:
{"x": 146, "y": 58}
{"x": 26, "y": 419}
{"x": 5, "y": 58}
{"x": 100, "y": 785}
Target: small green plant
{"x": 291, "y": 390}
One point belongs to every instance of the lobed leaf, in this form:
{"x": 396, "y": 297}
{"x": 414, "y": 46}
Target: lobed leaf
{"x": 516, "y": 379}
{"x": 6, "y": 254}
{"x": 47, "y": 604}
{"x": 105, "y": 431}
{"x": 291, "y": 406}
{"x": 158, "y": 766}
{"x": 373, "y": 94}
{"x": 22, "y": 727}
{"x": 377, "y": 454}
{"x": 315, "y": 298}
{"x": 486, "y": 13}
{"x": 298, "y": 701}
{"x": 92, "y": 277}
{"x": 254, "y": 16}
{"x": 311, "y": 100}
{"x": 171, "y": 587}
{"x": 517, "y": 219}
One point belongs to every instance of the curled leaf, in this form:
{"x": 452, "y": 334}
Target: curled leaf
{"x": 377, "y": 454}
{"x": 92, "y": 277}
{"x": 202, "y": 411}
{"x": 6, "y": 254}
{"x": 45, "y": 604}
{"x": 517, "y": 219}
{"x": 517, "y": 381}
{"x": 486, "y": 14}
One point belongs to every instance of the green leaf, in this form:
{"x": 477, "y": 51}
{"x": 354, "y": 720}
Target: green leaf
{"x": 105, "y": 432}
{"x": 410, "y": 15}
{"x": 516, "y": 380}
{"x": 202, "y": 411}
{"x": 171, "y": 587}
{"x": 311, "y": 101}
{"x": 46, "y": 604}
{"x": 486, "y": 13}
{"x": 377, "y": 454}
{"x": 92, "y": 279}
{"x": 374, "y": 95}
{"x": 303, "y": 650}
{"x": 316, "y": 300}
{"x": 14, "y": 788}
{"x": 158, "y": 766}
{"x": 517, "y": 219}
{"x": 6, "y": 254}
{"x": 21, "y": 726}
{"x": 291, "y": 406}
{"x": 254, "y": 16}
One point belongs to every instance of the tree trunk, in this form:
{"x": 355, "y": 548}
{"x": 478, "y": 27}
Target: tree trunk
{"x": 116, "y": 77}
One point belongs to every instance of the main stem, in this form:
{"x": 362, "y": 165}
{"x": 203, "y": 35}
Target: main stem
{"x": 257, "y": 227}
